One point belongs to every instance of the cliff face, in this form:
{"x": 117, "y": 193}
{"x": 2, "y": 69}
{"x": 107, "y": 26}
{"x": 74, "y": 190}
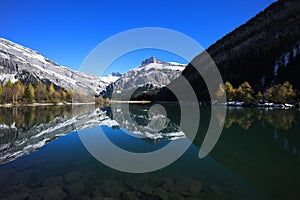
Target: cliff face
{"x": 151, "y": 60}
{"x": 263, "y": 51}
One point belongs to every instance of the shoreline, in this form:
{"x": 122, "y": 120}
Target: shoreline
{"x": 258, "y": 105}
{"x": 130, "y": 102}
{"x": 241, "y": 104}
{"x": 7, "y": 105}
{"x": 226, "y": 104}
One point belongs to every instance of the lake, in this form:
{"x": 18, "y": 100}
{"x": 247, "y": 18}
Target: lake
{"x": 42, "y": 155}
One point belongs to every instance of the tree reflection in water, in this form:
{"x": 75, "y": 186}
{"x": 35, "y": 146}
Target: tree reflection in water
{"x": 245, "y": 117}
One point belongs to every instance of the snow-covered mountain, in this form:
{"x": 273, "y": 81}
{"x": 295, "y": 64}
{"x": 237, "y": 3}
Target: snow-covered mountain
{"x": 19, "y": 62}
{"x": 111, "y": 78}
{"x": 105, "y": 81}
{"x": 151, "y": 72}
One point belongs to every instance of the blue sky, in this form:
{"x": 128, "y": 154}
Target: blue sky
{"x": 66, "y": 31}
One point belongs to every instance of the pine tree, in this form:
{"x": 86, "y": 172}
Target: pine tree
{"x": 29, "y": 93}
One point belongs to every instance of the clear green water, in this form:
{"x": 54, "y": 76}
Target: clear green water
{"x": 256, "y": 157}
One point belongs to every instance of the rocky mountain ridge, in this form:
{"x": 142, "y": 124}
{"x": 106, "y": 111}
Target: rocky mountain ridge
{"x": 152, "y": 73}
{"x": 21, "y": 63}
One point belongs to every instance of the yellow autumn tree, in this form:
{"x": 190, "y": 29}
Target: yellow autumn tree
{"x": 281, "y": 93}
{"x": 230, "y": 92}
{"x": 41, "y": 92}
{"x": 7, "y": 91}
{"x": 53, "y": 95}
{"x": 221, "y": 91}
{"x": 18, "y": 91}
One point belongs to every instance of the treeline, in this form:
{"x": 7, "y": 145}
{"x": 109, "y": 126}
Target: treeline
{"x": 18, "y": 93}
{"x": 279, "y": 93}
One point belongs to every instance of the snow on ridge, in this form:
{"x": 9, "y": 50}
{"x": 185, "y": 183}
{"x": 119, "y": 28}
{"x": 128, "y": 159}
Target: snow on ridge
{"x": 159, "y": 66}
{"x": 16, "y": 45}
{"x": 276, "y": 66}
{"x": 178, "y": 64}
{"x": 23, "y": 58}
{"x": 109, "y": 79}
{"x": 27, "y": 52}
{"x": 33, "y": 62}
{"x": 4, "y": 78}
{"x": 157, "y": 73}
{"x": 285, "y": 58}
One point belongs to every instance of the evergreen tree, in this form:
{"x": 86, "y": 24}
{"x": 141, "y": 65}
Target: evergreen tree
{"x": 29, "y": 93}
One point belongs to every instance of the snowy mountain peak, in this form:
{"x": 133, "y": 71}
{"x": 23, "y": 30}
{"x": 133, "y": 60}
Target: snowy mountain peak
{"x": 151, "y": 72}
{"x": 116, "y": 74}
{"x": 151, "y": 60}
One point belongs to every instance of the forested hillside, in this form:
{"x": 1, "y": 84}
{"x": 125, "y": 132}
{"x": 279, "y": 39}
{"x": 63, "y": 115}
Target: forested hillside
{"x": 264, "y": 52}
